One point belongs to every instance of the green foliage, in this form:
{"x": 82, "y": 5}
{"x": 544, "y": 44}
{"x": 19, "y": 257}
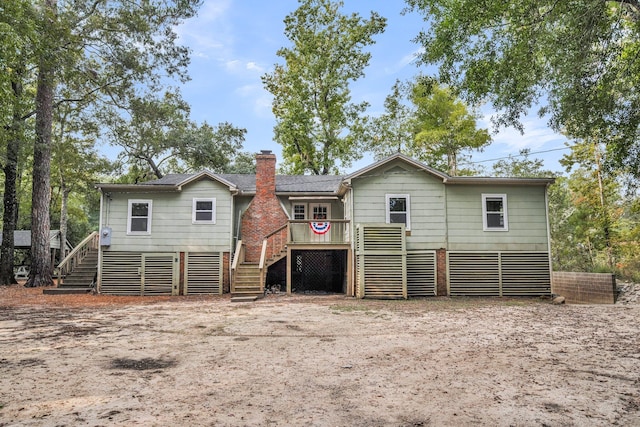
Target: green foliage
{"x": 318, "y": 125}
{"x": 595, "y": 226}
{"x": 394, "y": 130}
{"x": 578, "y": 58}
{"x": 244, "y": 162}
{"x": 521, "y": 166}
{"x": 82, "y": 54}
{"x": 446, "y": 127}
{"x": 428, "y": 122}
{"x": 208, "y": 147}
{"x": 158, "y": 137}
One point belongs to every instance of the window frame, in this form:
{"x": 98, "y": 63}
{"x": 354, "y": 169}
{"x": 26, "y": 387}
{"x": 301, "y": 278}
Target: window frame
{"x": 293, "y": 211}
{"x": 130, "y": 204}
{"x": 317, "y": 206}
{"x": 407, "y": 212}
{"x": 194, "y": 211}
{"x": 485, "y": 212}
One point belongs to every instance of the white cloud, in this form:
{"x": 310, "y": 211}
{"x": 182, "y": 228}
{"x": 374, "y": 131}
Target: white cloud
{"x": 260, "y": 98}
{"x": 537, "y": 135}
{"x": 233, "y": 65}
{"x": 252, "y": 66}
{"x": 208, "y": 32}
{"x": 408, "y": 59}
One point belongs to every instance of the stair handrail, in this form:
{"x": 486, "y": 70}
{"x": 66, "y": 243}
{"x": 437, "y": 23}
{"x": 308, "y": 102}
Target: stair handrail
{"x": 272, "y": 244}
{"x": 78, "y": 253}
{"x": 238, "y": 257}
{"x": 276, "y": 241}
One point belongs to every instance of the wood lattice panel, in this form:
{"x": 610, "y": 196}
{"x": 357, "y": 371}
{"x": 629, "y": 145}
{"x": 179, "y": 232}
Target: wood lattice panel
{"x": 499, "y": 273}
{"x": 158, "y": 277}
{"x": 121, "y": 273}
{"x": 526, "y": 274}
{"x": 381, "y": 261}
{"x": 383, "y": 276}
{"x": 421, "y": 273}
{"x": 474, "y": 274}
{"x": 204, "y": 273}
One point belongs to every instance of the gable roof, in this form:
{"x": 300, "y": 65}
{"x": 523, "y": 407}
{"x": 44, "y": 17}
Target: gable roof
{"x": 243, "y": 183}
{"x": 412, "y": 162}
{"x": 169, "y": 182}
{"x": 448, "y": 179}
{"x": 290, "y": 184}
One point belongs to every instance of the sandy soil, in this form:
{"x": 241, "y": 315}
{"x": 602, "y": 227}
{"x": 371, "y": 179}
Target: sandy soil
{"x": 315, "y": 361}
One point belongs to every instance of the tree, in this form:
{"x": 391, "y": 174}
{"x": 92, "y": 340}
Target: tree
{"x": 445, "y": 128}
{"x": 17, "y": 34}
{"x": 425, "y": 120}
{"x": 158, "y": 137}
{"x": 521, "y": 166}
{"x": 107, "y": 48}
{"x": 578, "y": 59}
{"x": 75, "y": 162}
{"x": 40, "y": 272}
{"x": 597, "y": 191}
{"x": 393, "y": 131}
{"x": 318, "y": 125}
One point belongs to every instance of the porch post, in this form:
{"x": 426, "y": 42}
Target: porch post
{"x": 288, "y": 269}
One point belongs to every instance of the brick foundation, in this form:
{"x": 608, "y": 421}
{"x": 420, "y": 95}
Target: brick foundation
{"x": 226, "y": 281}
{"x": 585, "y": 288}
{"x": 441, "y": 274}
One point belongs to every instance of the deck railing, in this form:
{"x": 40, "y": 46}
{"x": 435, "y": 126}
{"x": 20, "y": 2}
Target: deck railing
{"x": 276, "y": 242}
{"x": 334, "y": 231}
{"x": 78, "y": 253}
{"x": 238, "y": 258}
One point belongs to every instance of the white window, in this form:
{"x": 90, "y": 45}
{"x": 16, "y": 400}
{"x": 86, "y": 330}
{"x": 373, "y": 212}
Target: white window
{"x": 299, "y": 211}
{"x": 139, "y": 217}
{"x": 204, "y": 211}
{"x": 494, "y": 212}
{"x": 320, "y": 212}
{"x": 398, "y": 209}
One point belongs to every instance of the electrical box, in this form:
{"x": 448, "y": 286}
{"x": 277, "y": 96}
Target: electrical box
{"x": 105, "y": 236}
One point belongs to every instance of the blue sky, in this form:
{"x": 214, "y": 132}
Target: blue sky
{"x": 234, "y": 43}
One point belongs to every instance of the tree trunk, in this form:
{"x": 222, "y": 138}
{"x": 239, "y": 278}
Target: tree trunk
{"x": 10, "y": 212}
{"x": 452, "y": 161}
{"x": 41, "y": 274}
{"x": 10, "y": 201}
{"x": 604, "y": 208}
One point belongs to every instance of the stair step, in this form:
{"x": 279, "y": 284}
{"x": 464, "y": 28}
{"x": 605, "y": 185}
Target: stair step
{"x": 244, "y": 298}
{"x": 66, "y": 291}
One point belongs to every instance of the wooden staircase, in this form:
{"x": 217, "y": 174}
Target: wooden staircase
{"x": 77, "y": 272}
{"x": 247, "y": 283}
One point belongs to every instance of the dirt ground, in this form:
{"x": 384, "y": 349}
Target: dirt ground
{"x": 316, "y": 361}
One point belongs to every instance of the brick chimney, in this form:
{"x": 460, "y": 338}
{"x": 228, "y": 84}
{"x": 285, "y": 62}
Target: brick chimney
{"x": 265, "y": 174}
{"x": 264, "y": 214}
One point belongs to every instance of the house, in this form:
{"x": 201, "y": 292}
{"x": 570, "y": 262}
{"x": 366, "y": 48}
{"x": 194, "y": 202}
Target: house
{"x": 394, "y": 229}
{"x": 22, "y": 241}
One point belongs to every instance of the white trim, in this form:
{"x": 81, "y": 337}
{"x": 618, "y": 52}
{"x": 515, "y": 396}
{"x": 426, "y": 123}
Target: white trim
{"x": 194, "y": 211}
{"x": 311, "y": 198}
{"x": 407, "y": 197}
{"x": 505, "y": 215}
{"x": 293, "y": 210}
{"x": 149, "y": 210}
{"x": 310, "y": 207}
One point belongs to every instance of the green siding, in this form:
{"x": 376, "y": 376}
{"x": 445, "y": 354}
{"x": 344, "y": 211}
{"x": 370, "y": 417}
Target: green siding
{"x": 172, "y": 229}
{"x": 428, "y": 225}
{"x": 526, "y": 209}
